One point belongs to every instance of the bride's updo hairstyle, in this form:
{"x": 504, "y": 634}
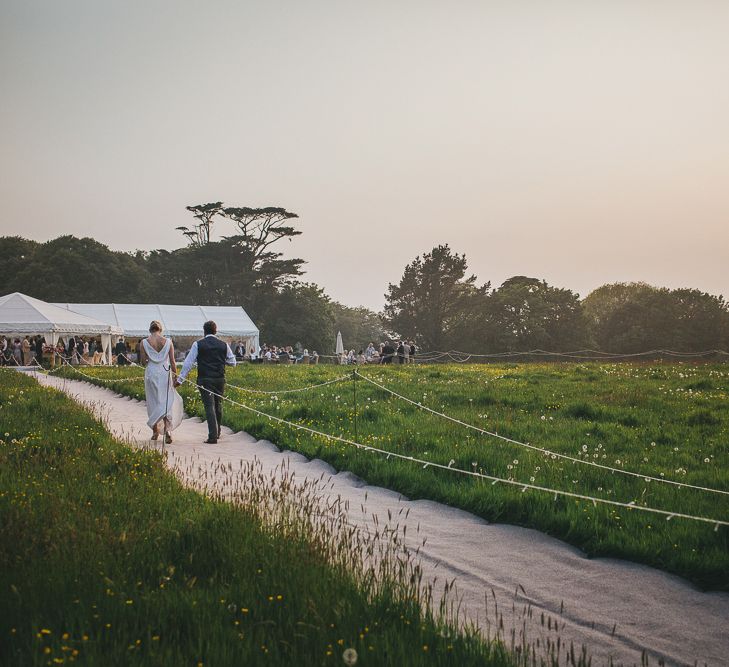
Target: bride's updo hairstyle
{"x": 155, "y": 326}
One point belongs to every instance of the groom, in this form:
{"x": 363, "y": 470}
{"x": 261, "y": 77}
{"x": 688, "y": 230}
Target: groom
{"x": 212, "y": 355}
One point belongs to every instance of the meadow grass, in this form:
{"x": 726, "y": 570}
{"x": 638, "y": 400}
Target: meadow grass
{"x": 106, "y": 558}
{"x": 661, "y": 419}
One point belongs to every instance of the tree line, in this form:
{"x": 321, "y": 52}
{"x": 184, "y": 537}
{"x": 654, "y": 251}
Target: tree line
{"x": 436, "y": 302}
{"x": 244, "y": 267}
{"x": 447, "y": 309}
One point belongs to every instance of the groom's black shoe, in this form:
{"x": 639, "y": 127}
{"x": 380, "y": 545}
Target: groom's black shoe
{"x": 210, "y": 442}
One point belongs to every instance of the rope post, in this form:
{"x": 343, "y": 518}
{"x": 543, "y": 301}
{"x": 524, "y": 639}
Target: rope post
{"x": 354, "y": 392}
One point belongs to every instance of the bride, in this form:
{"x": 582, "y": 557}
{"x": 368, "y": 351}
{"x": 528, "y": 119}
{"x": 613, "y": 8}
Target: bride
{"x": 164, "y": 404}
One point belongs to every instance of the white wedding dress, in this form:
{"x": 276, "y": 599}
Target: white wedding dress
{"x": 162, "y": 397}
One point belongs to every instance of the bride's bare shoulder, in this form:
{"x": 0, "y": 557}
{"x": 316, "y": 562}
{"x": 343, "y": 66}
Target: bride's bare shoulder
{"x": 157, "y": 342}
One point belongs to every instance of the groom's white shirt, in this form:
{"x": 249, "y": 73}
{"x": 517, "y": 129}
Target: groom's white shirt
{"x": 191, "y": 358}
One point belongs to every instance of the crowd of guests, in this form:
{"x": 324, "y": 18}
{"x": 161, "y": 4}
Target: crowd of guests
{"x": 30, "y": 350}
{"x": 276, "y": 354}
{"x": 22, "y": 351}
{"x": 389, "y": 352}
{"x": 82, "y": 350}
{"x": 33, "y": 350}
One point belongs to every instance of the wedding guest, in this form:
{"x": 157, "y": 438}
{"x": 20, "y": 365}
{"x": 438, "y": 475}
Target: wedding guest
{"x": 27, "y": 357}
{"x": 97, "y": 353}
{"x": 121, "y": 352}
{"x": 71, "y": 350}
{"x": 39, "y": 350}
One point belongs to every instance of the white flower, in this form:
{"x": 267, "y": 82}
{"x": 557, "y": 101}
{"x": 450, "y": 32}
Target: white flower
{"x": 349, "y": 657}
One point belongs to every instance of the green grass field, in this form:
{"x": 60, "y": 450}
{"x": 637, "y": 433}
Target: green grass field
{"x": 665, "y": 420}
{"x": 106, "y": 559}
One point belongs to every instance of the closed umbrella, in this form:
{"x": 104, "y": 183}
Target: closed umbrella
{"x": 340, "y": 347}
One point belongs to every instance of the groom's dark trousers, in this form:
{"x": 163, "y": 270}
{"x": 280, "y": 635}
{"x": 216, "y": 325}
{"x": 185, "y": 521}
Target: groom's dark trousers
{"x": 211, "y": 391}
{"x": 211, "y": 354}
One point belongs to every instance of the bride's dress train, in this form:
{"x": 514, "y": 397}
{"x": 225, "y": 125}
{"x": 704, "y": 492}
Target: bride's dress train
{"x": 162, "y": 397}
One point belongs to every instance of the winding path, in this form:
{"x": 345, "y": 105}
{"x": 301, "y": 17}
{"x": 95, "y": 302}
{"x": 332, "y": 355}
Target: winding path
{"x": 615, "y": 608}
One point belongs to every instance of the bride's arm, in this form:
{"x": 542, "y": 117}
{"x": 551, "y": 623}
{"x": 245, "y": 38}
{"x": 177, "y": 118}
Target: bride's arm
{"x": 173, "y": 363}
{"x": 142, "y": 354}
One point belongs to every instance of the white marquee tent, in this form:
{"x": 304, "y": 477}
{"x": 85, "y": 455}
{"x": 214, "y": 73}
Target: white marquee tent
{"x": 178, "y": 321}
{"x": 22, "y": 315}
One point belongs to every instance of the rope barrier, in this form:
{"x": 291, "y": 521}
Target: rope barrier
{"x": 289, "y": 391}
{"x": 94, "y": 377}
{"x": 442, "y": 415}
{"x": 493, "y": 479}
{"x": 232, "y": 386}
{"x": 542, "y": 450}
{"x": 587, "y": 354}
{"x": 470, "y": 473}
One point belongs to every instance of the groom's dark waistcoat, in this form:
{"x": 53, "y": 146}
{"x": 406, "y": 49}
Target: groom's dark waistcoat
{"x": 211, "y": 353}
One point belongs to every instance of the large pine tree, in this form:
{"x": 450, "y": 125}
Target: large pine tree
{"x": 432, "y": 302}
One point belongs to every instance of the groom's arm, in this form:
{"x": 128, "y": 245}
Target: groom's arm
{"x": 190, "y": 360}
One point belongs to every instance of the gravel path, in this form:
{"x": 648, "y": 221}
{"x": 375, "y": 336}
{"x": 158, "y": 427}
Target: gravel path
{"x": 615, "y": 608}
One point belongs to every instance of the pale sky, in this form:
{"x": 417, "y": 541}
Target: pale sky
{"x": 581, "y": 142}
